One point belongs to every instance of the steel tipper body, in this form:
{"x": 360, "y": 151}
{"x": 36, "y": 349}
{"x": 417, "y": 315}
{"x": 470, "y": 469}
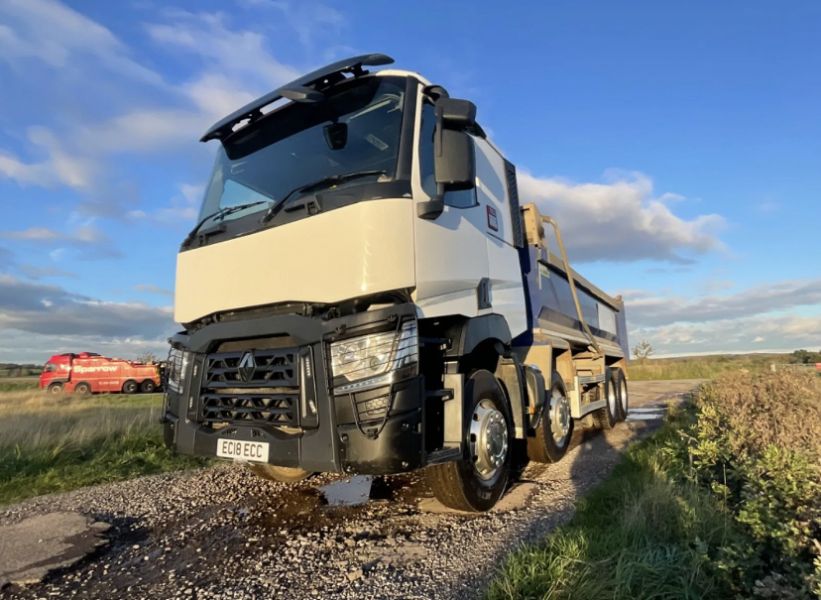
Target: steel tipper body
{"x": 363, "y": 293}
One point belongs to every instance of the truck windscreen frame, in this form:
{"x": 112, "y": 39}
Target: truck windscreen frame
{"x": 290, "y": 147}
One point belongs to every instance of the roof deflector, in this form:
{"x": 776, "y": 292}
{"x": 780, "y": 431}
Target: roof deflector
{"x": 299, "y": 90}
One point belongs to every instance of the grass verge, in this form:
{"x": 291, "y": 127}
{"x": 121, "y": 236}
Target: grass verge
{"x": 59, "y": 443}
{"x": 723, "y": 502}
{"x": 638, "y": 535}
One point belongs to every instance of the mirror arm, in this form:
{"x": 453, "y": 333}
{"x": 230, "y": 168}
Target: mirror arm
{"x": 431, "y": 209}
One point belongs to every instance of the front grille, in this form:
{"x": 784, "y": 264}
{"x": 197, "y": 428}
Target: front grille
{"x": 251, "y": 387}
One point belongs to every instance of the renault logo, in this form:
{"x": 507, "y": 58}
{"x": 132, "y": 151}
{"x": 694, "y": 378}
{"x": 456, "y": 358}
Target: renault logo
{"x": 247, "y": 366}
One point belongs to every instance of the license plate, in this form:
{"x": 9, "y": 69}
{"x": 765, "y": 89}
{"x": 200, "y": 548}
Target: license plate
{"x": 242, "y": 450}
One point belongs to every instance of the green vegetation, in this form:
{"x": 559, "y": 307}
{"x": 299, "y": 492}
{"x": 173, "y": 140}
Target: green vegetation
{"x": 15, "y": 370}
{"x": 701, "y": 367}
{"x": 14, "y": 384}
{"x": 57, "y": 443}
{"x": 723, "y": 502}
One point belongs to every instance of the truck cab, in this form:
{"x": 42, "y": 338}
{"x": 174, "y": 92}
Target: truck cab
{"x": 360, "y": 295}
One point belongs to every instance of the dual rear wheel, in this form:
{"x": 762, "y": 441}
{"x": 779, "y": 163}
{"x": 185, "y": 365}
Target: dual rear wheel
{"x": 616, "y": 400}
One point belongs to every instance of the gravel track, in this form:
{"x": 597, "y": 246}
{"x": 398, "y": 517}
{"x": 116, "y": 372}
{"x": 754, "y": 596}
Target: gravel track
{"x": 222, "y": 532}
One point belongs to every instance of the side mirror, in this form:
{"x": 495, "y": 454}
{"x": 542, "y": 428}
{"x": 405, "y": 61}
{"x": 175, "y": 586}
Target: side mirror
{"x": 456, "y": 114}
{"x": 454, "y": 154}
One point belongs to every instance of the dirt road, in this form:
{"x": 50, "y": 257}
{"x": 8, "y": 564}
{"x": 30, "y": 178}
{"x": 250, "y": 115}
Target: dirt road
{"x": 223, "y": 533}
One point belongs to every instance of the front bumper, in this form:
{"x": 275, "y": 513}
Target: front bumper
{"x": 377, "y": 431}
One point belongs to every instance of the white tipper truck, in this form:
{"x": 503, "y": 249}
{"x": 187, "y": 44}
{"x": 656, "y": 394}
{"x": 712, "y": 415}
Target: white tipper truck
{"x": 363, "y": 293}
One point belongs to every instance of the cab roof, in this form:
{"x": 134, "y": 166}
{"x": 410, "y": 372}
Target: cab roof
{"x": 304, "y": 89}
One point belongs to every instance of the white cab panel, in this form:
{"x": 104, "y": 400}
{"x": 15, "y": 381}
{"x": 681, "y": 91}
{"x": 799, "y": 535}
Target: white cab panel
{"x": 505, "y": 271}
{"x": 451, "y": 260}
{"x": 337, "y": 255}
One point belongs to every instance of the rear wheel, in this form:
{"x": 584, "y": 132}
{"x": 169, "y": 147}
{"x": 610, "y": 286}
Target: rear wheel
{"x": 130, "y": 387}
{"x": 282, "y": 474}
{"x": 148, "y": 386}
{"x": 55, "y": 388}
{"x": 621, "y": 386}
{"x": 607, "y": 415}
{"x": 82, "y": 389}
{"x": 556, "y": 427}
{"x": 475, "y": 482}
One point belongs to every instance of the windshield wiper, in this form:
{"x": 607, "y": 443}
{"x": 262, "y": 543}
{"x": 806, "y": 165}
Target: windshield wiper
{"x": 319, "y": 183}
{"x": 221, "y": 213}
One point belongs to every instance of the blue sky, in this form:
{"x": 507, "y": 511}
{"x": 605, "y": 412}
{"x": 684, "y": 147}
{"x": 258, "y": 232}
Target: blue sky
{"x": 679, "y": 145}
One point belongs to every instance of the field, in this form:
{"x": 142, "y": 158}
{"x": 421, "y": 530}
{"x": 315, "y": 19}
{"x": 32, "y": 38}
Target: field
{"x": 56, "y": 443}
{"x": 708, "y": 367}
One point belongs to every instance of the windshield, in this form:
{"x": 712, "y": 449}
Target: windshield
{"x": 356, "y": 128}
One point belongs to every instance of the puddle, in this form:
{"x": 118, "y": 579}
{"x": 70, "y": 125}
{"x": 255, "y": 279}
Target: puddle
{"x": 648, "y": 412}
{"x": 348, "y": 492}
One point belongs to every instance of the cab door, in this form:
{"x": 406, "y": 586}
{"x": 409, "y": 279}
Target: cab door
{"x": 505, "y": 271}
{"x": 451, "y": 250}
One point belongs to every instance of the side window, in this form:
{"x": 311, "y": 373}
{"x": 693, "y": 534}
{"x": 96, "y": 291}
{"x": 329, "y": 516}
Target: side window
{"x": 457, "y": 199}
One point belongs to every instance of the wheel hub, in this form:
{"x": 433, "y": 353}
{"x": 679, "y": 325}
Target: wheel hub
{"x": 559, "y": 417}
{"x": 488, "y": 440}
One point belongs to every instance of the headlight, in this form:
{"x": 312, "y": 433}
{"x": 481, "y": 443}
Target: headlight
{"x": 177, "y": 365}
{"x": 376, "y": 355}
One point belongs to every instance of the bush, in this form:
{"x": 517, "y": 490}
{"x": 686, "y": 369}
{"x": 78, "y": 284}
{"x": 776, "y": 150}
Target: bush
{"x": 755, "y": 442}
{"x": 723, "y": 502}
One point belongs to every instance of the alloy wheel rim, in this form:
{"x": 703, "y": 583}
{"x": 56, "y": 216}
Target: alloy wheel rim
{"x": 488, "y": 440}
{"x": 559, "y": 413}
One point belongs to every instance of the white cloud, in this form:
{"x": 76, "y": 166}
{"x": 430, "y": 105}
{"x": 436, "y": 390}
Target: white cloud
{"x": 241, "y": 53}
{"x": 621, "y": 220}
{"x": 754, "y": 319}
{"x": 743, "y": 334}
{"x": 90, "y": 243}
{"x": 59, "y": 167}
{"x": 62, "y": 38}
{"x": 644, "y": 309}
{"x": 85, "y": 234}
{"x": 182, "y": 209}
{"x": 50, "y": 309}
{"x": 151, "y": 288}
{"x": 308, "y": 19}
{"x": 24, "y": 347}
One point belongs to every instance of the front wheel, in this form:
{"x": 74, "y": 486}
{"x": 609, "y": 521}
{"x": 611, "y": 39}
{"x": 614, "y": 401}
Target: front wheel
{"x": 281, "y": 474}
{"x": 475, "y": 482}
{"x": 55, "y": 388}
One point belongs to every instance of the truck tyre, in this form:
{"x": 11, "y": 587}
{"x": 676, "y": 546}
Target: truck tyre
{"x": 55, "y": 388}
{"x": 606, "y": 417}
{"x": 621, "y": 386}
{"x": 555, "y": 429}
{"x": 282, "y": 474}
{"x": 130, "y": 387}
{"x": 82, "y": 389}
{"x": 475, "y": 482}
{"x": 148, "y": 386}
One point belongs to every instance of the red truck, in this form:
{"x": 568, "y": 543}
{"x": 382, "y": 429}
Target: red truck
{"x": 88, "y": 372}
